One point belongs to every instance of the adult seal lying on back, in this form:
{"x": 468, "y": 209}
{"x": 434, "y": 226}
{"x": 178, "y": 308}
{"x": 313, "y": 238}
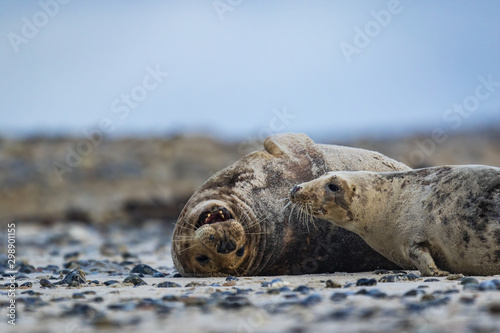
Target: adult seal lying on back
{"x": 435, "y": 219}
{"x": 236, "y": 223}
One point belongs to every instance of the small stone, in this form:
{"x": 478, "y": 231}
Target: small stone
{"x": 27, "y": 284}
{"x": 273, "y": 291}
{"x": 337, "y": 297}
{"x": 467, "y": 299}
{"x": 381, "y": 271}
{"x": 366, "y": 282}
{"x": 399, "y": 272}
{"x": 229, "y": 284}
{"x": 469, "y": 280}
{"x": 302, "y": 289}
{"x": 333, "y": 284}
{"x": 234, "y": 302}
{"x": 487, "y": 285}
{"x": 453, "y": 277}
{"x": 232, "y": 278}
{"x": 110, "y": 282}
{"x": 77, "y": 275}
{"x": 431, "y": 280}
{"x": 413, "y": 293}
{"x": 143, "y": 269}
{"x": 177, "y": 275}
{"x": 375, "y": 293}
{"x": 46, "y": 283}
{"x": 170, "y": 298}
{"x": 98, "y": 299}
{"x": 494, "y": 308}
{"x": 28, "y": 269}
{"x": 89, "y": 292}
{"x": 311, "y": 300}
{"x": 195, "y": 284}
{"x": 72, "y": 255}
{"x": 412, "y": 277}
{"x": 276, "y": 283}
{"x": 94, "y": 282}
{"x": 135, "y": 280}
{"x": 451, "y": 291}
{"x": 168, "y": 284}
{"x": 389, "y": 278}
{"x": 78, "y": 296}
{"x": 81, "y": 309}
{"x": 159, "y": 275}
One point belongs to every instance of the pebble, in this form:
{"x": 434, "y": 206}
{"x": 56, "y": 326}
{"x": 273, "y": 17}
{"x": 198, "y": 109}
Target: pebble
{"x": 332, "y": 284}
{"x": 337, "y": 297}
{"x": 487, "y": 285}
{"x": 413, "y": 292}
{"x": 311, "y": 300}
{"x": 276, "y": 283}
{"x": 234, "y": 302}
{"x": 110, "y": 282}
{"x": 76, "y": 276}
{"x": 381, "y": 271}
{"x": 469, "y": 280}
{"x": 417, "y": 307}
{"x": 303, "y": 289}
{"x": 46, "y": 283}
{"x": 27, "y": 284}
{"x": 494, "y": 308}
{"x": 159, "y": 275}
{"x": 366, "y": 282}
{"x": 232, "y": 278}
{"x": 431, "y": 280}
{"x": 135, "y": 280}
{"x": 143, "y": 269}
{"x": 78, "y": 296}
{"x": 168, "y": 284}
{"x": 81, "y": 309}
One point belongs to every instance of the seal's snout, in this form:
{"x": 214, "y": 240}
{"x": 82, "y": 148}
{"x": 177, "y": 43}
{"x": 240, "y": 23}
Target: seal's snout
{"x": 294, "y": 191}
{"x": 226, "y": 246}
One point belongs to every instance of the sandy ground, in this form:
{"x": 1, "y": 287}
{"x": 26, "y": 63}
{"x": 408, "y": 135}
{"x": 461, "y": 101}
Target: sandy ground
{"x": 305, "y": 303}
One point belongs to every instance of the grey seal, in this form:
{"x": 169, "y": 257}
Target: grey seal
{"x": 439, "y": 220}
{"x": 238, "y": 223}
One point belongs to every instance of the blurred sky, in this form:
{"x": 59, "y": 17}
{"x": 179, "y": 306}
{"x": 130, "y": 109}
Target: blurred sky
{"x": 234, "y": 64}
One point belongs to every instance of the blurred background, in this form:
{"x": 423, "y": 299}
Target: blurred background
{"x": 118, "y": 111}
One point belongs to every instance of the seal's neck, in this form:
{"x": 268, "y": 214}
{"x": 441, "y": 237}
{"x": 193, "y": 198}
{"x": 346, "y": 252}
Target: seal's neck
{"x": 370, "y": 203}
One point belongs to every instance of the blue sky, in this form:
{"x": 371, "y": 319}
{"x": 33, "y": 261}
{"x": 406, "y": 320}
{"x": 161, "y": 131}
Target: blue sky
{"x": 234, "y": 65}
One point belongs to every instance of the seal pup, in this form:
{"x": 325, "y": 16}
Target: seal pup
{"x": 237, "y": 222}
{"x": 439, "y": 220}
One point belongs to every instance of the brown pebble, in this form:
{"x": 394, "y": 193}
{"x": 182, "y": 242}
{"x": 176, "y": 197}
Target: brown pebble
{"x": 333, "y": 284}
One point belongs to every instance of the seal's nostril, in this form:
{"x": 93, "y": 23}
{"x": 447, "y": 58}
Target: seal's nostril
{"x": 294, "y": 190}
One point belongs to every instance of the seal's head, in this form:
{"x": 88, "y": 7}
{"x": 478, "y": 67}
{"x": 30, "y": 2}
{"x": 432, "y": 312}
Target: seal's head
{"x": 327, "y": 197}
{"x": 213, "y": 240}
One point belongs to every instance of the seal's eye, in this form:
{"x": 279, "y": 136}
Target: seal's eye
{"x": 241, "y": 251}
{"x": 333, "y": 187}
{"x": 202, "y": 259}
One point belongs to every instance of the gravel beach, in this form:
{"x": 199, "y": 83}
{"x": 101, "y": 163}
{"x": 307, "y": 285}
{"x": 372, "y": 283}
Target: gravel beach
{"x": 80, "y": 278}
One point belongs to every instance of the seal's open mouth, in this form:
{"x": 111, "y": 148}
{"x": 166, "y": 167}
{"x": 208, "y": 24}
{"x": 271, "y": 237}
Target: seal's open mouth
{"x": 219, "y": 214}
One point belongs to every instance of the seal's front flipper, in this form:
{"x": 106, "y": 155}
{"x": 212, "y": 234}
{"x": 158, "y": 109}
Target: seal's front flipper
{"x": 287, "y": 143}
{"x": 420, "y": 256}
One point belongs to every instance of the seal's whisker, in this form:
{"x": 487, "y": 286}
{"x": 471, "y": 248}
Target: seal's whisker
{"x": 286, "y": 206}
{"x": 187, "y": 248}
{"x": 285, "y": 198}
